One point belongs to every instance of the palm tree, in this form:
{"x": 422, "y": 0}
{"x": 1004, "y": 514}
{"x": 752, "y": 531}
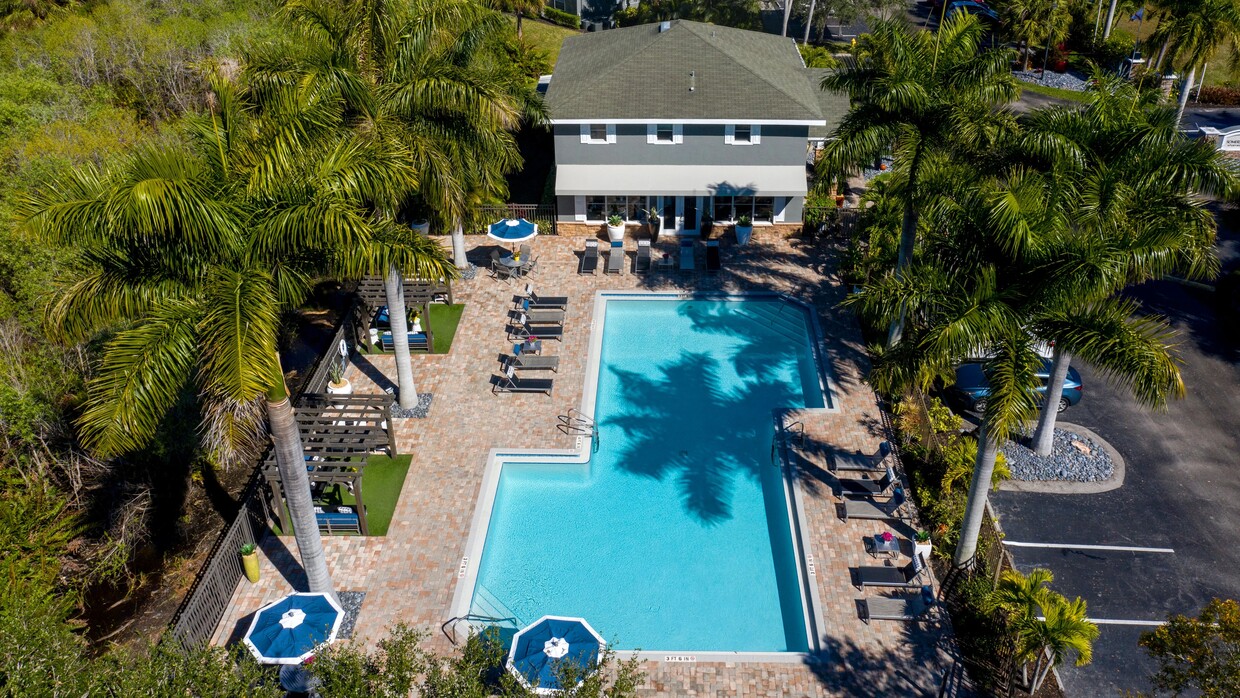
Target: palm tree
{"x": 1194, "y": 32}
{"x": 1128, "y": 183}
{"x": 1031, "y": 21}
{"x": 918, "y": 94}
{"x": 190, "y": 253}
{"x": 1047, "y": 626}
{"x": 519, "y": 8}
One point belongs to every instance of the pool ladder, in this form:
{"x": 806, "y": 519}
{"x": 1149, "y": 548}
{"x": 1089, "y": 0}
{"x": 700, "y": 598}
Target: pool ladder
{"x": 786, "y": 434}
{"x": 577, "y": 424}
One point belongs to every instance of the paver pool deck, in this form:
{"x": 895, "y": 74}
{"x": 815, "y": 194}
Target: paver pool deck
{"x": 410, "y": 575}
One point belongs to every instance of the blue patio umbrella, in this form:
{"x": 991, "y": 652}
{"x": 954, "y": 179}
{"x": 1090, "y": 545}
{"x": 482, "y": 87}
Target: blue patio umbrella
{"x": 512, "y": 230}
{"x": 289, "y": 630}
{"x": 539, "y": 650}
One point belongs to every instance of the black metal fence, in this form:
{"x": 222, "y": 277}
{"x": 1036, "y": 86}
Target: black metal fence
{"x": 829, "y": 221}
{"x": 542, "y": 214}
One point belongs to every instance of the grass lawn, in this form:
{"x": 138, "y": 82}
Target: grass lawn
{"x": 444, "y": 320}
{"x": 381, "y": 489}
{"x": 1218, "y": 70}
{"x": 1071, "y": 95}
{"x": 544, "y": 35}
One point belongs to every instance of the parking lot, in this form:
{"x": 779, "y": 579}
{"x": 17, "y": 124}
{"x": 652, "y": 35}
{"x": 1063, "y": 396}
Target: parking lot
{"x": 1164, "y": 542}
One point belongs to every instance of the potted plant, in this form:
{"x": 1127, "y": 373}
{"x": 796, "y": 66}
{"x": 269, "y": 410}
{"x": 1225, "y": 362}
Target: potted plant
{"x": 249, "y": 561}
{"x": 615, "y": 227}
{"x": 337, "y": 383}
{"x": 922, "y": 545}
{"x": 653, "y": 223}
{"x": 421, "y": 225}
{"x": 744, "y": 229}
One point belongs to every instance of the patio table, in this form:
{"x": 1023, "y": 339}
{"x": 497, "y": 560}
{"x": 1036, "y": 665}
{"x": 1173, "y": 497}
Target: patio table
{"x": 875, "y": 545}
{"x": 534, "y": 347}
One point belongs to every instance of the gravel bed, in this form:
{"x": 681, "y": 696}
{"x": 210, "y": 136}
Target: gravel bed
{"x": 868, "y": 173}
{"x": 469, "y": 272}
{"x": 1067, "y": 462}
{"x": 1064, "y": 81}
{"x": 351, "y": 602}
{"x": 418, "y": 411}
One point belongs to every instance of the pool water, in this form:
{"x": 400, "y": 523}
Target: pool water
{"x": 675, "y": 537}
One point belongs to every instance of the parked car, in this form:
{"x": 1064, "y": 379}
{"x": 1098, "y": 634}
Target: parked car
{"x": 972, "y": 388}
{"x": 985, "y": 15}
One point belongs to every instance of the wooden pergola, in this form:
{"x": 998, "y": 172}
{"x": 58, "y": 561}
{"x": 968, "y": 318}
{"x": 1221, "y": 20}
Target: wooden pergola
{"x": 419, "y": 293}
{"x": 339, "y": 433}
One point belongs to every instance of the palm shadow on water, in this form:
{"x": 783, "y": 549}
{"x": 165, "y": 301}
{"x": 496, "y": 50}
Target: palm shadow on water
{"x": 681, "y": 422}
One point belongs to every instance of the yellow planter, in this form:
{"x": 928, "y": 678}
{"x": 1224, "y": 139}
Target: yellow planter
{"x": 249, "y": 563}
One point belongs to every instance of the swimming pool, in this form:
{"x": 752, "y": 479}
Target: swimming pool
{"x": 676, "y": 534}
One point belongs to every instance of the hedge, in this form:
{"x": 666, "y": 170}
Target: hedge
{"x": 562, "y": 18}
{"x": 1226, "y": 96}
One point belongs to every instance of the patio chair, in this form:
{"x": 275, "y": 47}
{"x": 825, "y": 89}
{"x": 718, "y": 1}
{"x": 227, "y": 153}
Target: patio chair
{"x": 857, "y": 461}
{"x": 528, "y": 267}
{"x": 868, "y": 488}
{"x": 546, "y": 316}
{"x": 907, "y": 607}
{"x": 532, "y": 301}
{"x": 589, "y": 259}
{"x": 530, "y": 362}
{"x": 687, "y": 262}
{"x": 641, "y": 264}
{"x": 713, "y": 261}
{"x": 615, "y": 259}
{"x": 874, "y": 509}
{"x": 500, "y": 270}
{"x": 525, "y": 329}
{"x": 509, "y": 382}
{"x": 906, "y": 577}
{"x": 525, "y": 251}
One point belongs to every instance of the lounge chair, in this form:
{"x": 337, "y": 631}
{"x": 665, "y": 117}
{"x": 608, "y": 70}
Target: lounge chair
{"x": 533, "y": 301}
{"x": 615, "y": 259}
{"x": 531, "y": 362}
{"x": 906, "y": 577}
{"x": 641, "y": 264}
{"x": 909, "y": 607}
{"x": 859, "y": 462}
{"x": 687, "y": 262}
{"x": 868, "y": 488}
{"x": 545, "y": 316}
{"x": 525, "y": 329}
{"x": 713, "y": 261}
{"x": 874, "y": 509}
{"x": 509, "y": 382}
{"x": 589, "y": 259}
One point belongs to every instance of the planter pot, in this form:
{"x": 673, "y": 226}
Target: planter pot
{"x": 923, "y": 549}
{"x": 1059, "y": 66}
{"x": 743, "y": 234}
{"x": 249, "y": 563}
{"x": 344, "y": 387}
{"x": 615, "y": 233}
{"x": 839, "y": 201}
{"x": 423, "y": 227}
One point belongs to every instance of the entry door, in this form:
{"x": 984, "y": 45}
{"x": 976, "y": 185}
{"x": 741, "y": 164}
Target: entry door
{"x": 691, "y": 222}
{"x": 669, "y": 213}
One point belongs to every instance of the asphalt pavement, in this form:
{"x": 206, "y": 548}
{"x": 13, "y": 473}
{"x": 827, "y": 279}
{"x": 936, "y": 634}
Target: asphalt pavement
{"x": 1179, "y": 506}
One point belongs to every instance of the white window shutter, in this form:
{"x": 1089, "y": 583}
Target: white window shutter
{"x": 678, "y": 133}
{"x": 585, "y": 133}
{"x": 652, "y": 133}
{"x": 611, "y": 133}
{"x": 729, "y": 134}
{"x": 579, "y": 208}
{"x": 755, "y": 134}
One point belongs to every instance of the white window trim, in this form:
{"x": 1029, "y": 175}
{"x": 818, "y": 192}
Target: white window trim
{"x": 755, "y": 135}
{"x": 585, "y": 135}
{"x": 652, "y": 134}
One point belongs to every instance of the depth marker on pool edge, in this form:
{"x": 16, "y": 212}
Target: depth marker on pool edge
{"x": 1069, "y": 546}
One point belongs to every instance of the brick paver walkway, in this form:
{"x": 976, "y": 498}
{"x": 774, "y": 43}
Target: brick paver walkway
{"x": 410, "y": 575}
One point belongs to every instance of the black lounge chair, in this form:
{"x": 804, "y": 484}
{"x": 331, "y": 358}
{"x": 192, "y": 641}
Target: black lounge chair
{"x": 533, "y": 301}
{"x": 906, "y": 577}
{"x": 907, "y": 607}
{"x": 615, "y": 259}
{"x": 545, "y": 316}
{"x": 641, "y": 264}
{"x": 524, "y": 329}
{"x": 872, "y": 508}
{"x": 859, "y": 462}
{"x": 868, "y": 488}
{"x": 532, "y": 362}
{"x": 589, "y": 259}
{"x": 509, "y": 382}
{"x": 713, "y": 261}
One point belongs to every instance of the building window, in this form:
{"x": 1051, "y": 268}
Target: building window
{"x": 598, "y": 133}
{"x": 664, "y": 133}
{"x": 723, "y": 208}
{"x": 596, "y": 208}
{"x": 630, "y": 208}
{"x": 742, "y": 134}
{"x": 761, "y": 209}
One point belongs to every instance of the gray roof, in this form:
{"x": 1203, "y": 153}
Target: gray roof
{"x": 834, "y": 105}
{"x": 642, "y": 73}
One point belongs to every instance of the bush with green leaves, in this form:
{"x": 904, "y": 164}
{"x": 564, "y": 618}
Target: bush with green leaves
{"x": 562, "y": 18}
{"x": 1198, "y": 654}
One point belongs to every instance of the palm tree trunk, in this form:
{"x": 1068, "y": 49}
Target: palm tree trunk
{"x": 291, "y": 461}
{"x": 1162, "y": 54}
{"x": 1106, "y": 29}
{"x": 1188, "y": 86}
{"x": 394, "y": 285}
{"x": 908, "y": 240}
{"x": 519, "y": 13}
{"x": 787, "y": 15}
{"x": 809, "y": 21}
{"x": 1043, "y": 671}
{"x": 979, "y": 488}
{"x": 1043, "y": 438}
{"x": 458, "y": 246}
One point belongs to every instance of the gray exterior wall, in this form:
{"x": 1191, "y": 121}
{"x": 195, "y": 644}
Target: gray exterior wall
{"x": 703, "y": 145}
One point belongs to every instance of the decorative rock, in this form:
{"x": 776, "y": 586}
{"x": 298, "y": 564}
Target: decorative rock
{"x": 1064, "y": 81}
{"x": 351, "y": 602}
{"x": 1074, "y": 458}
{"x": 419, "y": 411}
{"x": 469, "y": 272}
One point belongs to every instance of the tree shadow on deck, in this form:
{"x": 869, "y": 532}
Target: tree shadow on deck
{"x": 926, "y": 654}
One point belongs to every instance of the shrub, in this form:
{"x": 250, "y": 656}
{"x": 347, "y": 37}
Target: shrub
{"x": 1225, "y": 96}
{"x": 1110, "y": 53}
{"x": 562, "y": 18}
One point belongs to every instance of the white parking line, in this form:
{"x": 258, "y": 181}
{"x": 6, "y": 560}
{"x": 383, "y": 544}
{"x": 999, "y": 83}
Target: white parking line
{"x": 1070, "y": 546}
{"x": 1114, "y": 621}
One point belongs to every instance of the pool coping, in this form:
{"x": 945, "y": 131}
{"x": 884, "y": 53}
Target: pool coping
{"x": 467, "y": 573}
